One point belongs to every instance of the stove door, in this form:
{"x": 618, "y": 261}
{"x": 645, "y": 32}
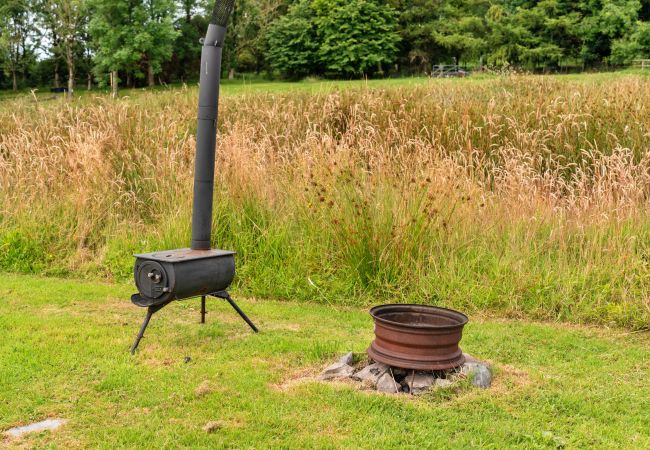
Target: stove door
{"x": 151, "y": 279}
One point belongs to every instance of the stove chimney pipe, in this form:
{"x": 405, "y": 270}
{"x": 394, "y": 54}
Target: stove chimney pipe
{"x": 206, "y": 133}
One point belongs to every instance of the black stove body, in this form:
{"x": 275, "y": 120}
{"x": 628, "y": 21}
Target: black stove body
{"x": 182, "y": 273}
{"x": 200, "y": 271}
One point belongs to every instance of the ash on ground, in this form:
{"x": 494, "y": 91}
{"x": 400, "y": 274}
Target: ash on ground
{"x": 394, "y": 380}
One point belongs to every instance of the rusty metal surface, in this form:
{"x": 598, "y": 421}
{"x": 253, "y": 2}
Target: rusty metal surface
{"x": 417, "y": 337}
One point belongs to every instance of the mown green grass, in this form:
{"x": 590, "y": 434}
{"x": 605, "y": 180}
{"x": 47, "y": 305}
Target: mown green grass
{"x": 64, "y": 353}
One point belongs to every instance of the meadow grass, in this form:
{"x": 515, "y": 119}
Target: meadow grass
{"x": 521, "y": 196}
{"x": 64, "y": 351}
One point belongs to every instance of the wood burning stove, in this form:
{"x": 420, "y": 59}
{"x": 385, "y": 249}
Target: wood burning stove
{"x": 164, "y": 276}
{"x": 183, "y": 273}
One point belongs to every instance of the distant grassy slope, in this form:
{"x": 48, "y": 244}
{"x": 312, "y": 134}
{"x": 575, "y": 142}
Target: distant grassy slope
{"x": 248, "y": 85}
{"x": 524, "y": 196}
{"x": 236, "y": 86}
{"x": 228, "y": 87}
{"x": 64, "y": 352}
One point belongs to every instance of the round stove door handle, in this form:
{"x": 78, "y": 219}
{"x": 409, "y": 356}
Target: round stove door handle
{"x": 155, "y": 277}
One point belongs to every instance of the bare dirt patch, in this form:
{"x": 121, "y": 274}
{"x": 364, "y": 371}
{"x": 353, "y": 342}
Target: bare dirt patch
{"x": 296, "y": 379}
{"x": 203, "y": 389}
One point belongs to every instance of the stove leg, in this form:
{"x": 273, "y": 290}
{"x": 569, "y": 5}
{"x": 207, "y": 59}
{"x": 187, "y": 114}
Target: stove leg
{"x": 226, "y": 295}
{"x": 151, "y": 310}
{"x": 203, "y": 309}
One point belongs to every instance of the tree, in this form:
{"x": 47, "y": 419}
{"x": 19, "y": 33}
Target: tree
{"x": 110, "y": 30}
{"x": 604, "y": 22}
{"x": 248, "y": 33}
{"x": 16, "y": 26}
{"x": 417, "y": 25}
{"x": 67, "y": 20}
{"x": 338, "y": 37}
{"x": 632, "y": 46}
{"x": 533, "y": 34}
{"x": 355, "y": 37}
{"x": 191, "y": 26}
{"x": 48, "y": 23}
{"x": 292, "y": 43}
{"x": 434, "y": 31}
{"x": 461, "y": 28}
{"x": 129, "y": 34}
{"x": 156, "y": 39}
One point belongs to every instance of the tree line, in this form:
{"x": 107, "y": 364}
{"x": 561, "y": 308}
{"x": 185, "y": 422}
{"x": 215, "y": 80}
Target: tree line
{"x": 63, "y": 43}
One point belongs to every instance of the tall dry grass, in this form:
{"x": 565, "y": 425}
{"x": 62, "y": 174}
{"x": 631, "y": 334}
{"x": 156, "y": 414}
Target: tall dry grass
{"x": 523, "y": 196}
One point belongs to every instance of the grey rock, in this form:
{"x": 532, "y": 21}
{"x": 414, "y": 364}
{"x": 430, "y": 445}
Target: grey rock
{"x": 371, "y": 373}
{"x": 347, "y": 358}
{"x": 479, "y": 372}
{"x": 386, "y": 383}
{"x": 481, "y": 376}
{"x": 49, "y": 424}
{"x": 337, "y": 370}
{"x": 469, "y": 367}
{"x": 420, "y": 382}
{"x": 443, "y": 383}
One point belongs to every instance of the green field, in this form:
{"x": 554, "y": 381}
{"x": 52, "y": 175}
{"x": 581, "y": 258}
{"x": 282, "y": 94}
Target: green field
{"x": 64, "y": 352}
{"x": 521, "y": 200}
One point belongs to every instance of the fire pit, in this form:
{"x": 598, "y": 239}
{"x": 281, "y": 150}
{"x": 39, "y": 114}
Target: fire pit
{"x": 417, "y": 337}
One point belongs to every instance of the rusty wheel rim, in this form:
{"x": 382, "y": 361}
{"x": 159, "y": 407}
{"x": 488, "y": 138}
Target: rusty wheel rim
{"x": 418, "y": 337}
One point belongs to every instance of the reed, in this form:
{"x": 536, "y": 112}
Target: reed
{"x": 519, "y": 196}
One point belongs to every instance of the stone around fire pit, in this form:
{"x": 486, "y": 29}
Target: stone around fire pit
{"x": 337, "y": 370}
{"x": 443, "y": 383}
{"x": 387, "y": 383}
{"x": 479, "y": 372}
{"x": 371, "y": 373}
{"x": 347, "y": 358}
{"x": 383, "y": 378}
{"x": 340, "y": 369}
{"x": 420, "y": 382}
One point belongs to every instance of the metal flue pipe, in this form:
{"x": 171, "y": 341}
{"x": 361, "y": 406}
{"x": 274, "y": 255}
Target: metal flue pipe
{"x": 206, "y": 133}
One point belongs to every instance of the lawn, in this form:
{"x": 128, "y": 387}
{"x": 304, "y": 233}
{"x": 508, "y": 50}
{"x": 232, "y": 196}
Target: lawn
{"x": 64, "y": 353}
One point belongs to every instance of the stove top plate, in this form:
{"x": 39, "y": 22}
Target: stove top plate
{"x": 183, "y": 254}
